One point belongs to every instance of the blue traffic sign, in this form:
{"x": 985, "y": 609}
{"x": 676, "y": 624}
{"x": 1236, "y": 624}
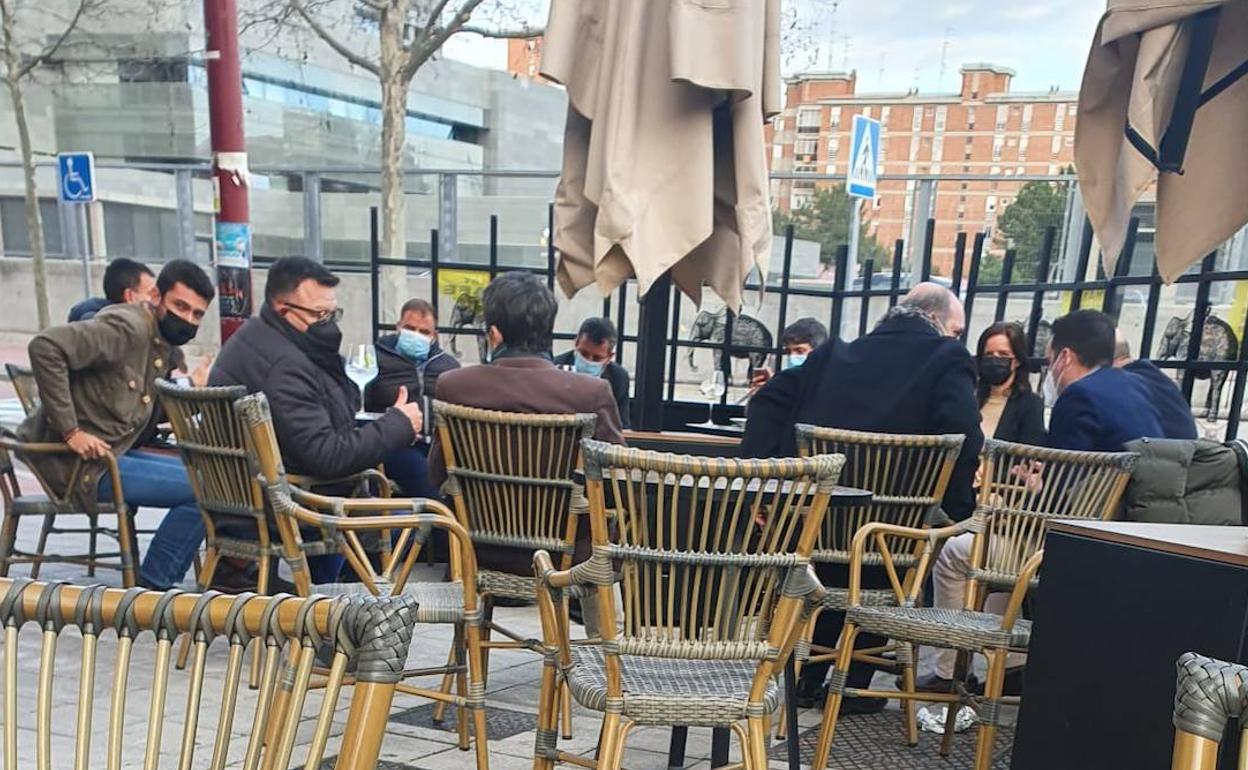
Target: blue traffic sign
{"x": 76, "y": 177}
{"x": 864, "y": 157}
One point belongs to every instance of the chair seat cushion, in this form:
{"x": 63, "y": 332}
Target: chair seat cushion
{"x": 669, "y": 691}
{"x": 954, "y": 629}
{"x": 435, "y": 602}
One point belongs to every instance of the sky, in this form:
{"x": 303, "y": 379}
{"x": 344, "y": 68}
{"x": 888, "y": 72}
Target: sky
{"x": 896, "y": 45}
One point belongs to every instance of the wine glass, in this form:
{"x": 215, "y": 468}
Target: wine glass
{"x": 712, "y": 389}
{"x": 362, "y": 368}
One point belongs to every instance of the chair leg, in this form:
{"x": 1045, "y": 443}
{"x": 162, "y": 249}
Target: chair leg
{"x": 203, "y": 578}
{"x": 448, "y": 681}
{"x": 907, "y": 704}
{"x": 754, "y": 750}
{"x": 565, "y": 711}
{"x": 8, "y": 537}
{"x": 808, "y": 634}
{"x": 832, "y": 707}
{"x": 93, "y": 523}
{"x": 961, "y": 669}
{"x": 128, "y": 545}
{"x": 262, "y": 588}
{"x": 611, "y": 748}
{"x": 986, "y": 739}
{"x": 37, "y": 561}
{"x": 487, "y": 617}
{"x": 547, "y": 716}
{"x": 461, "y": 687}
{"x": 475, "y": 702}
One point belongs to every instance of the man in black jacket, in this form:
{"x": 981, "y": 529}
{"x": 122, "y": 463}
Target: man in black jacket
{"x": 593, "y": 353}
{"x": 411, "y": 358}
{"x": 910, "y": 375}
{"x": 290, "y": 353}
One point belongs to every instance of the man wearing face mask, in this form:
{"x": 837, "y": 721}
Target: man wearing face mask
{"x": 290, "y": 352}
{"x": 96, "y": 393}
{"x": 798, "y": 340}
{"x": 594, "y": 354}
{"x": 410, "y": 358}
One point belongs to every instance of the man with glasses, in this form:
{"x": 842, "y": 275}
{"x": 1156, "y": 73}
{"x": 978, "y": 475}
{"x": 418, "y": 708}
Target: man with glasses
{"x": 290, "y": 352}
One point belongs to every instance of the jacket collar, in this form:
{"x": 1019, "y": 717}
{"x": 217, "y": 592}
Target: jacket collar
{"x": 906, "y": 324}
{"x": 524, "y": 362}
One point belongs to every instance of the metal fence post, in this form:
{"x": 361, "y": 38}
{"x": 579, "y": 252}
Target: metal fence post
{"x": 374, "y": 258}
{"x": 920, "y": 212}
{"x": 448, "y": 217}
{"x": 312, "y": 244}
{"x": 184, "y": 194}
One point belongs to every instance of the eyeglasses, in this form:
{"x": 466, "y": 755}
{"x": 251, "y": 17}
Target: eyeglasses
{"x": 321, "y": 316}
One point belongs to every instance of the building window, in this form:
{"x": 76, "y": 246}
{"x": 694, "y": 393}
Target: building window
{"x": 1052, "y": 169}
{"x": 1059, "y": 122}
{"x": 996, "y": 171}
{"x": 1070, "y": 141}
{"x": 777, "y": 124}
{"x": 777, "y": 153}
{"x": 966, "y": 154}
{"x": 942, "y": 112}
{"x": 996, "y": 148}
{"x": 938, "y": 147}
{"x": 807, "y": 146}
{"x": 1009, "y": 172}
{"x": 1022, "y": 171}
{"x": 990, "y": 204}
{"x": 834, "y": 147}
{"x": 866, "y": 111}
{"x": 799, "y": 200}
{"x": 916, "y": 119}
{"x": 836, "y": 118}
{"x": 1003, "y": 114}
{"x": 831, "y": 169}
{"x": 936, "y": 168}
{"x": 1027, "y": 109}
{"x": 970, "y": 118}
{"x": 885, "y": 114}
{"x": 1022, "y": 147}
{"x": 1055, "y": 146}
{"x": 808, "y": 120}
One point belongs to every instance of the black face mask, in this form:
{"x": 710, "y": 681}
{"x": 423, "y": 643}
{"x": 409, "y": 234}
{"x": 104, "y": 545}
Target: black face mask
{"x": 325, "y": 336}
{"x": 176, "y": 330}
{"x": 995, "y": 371}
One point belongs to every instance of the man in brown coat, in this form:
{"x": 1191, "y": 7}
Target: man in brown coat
{"x": 96, "y": 395}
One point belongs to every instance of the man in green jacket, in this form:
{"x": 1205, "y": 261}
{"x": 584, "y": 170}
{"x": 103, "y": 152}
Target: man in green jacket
{"x": 96, "y": 388}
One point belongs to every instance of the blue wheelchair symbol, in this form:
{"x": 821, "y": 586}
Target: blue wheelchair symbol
{"x": 77, "y": 177}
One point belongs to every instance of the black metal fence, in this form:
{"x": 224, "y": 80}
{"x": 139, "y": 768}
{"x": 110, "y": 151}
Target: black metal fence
{"x": 658, "y": 354}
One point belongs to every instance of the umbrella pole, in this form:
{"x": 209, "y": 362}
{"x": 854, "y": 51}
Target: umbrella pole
{"x": 651, "y": 350}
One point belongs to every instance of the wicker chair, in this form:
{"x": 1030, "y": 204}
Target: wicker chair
{"x": 344, "y": 521}
{"x": 1208, "y": 694}
{"x": 374, "y": 633}
{"x": 1022, "y": 489}
{"x": 24, "y": 385}
{"x": 907, "y": 476}
{"x": 712, "y": 564}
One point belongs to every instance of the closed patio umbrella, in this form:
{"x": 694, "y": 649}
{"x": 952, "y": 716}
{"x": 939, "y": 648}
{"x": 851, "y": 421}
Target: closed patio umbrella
{"x": 1147, "y": 82}
{"x": 664, "y": 164}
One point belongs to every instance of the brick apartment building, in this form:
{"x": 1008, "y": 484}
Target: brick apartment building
{"x": 983, "y": 129}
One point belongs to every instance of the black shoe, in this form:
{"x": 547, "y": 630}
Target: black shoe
{"x": 807, "y": 697}
{"x": 1013, "y": 684}
{"x": 936, "y": 683}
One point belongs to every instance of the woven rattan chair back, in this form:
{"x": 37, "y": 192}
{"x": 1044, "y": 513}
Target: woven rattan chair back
{"x": 703, "y": 545}
{"x": 191, "y": 715}
{"x": 1023, "y": 488}
{"x": 511, "y": 474}
{"x": 1208, "y": 694}
{"x": 906, "y": 474}
{"x": 24, "y": 385}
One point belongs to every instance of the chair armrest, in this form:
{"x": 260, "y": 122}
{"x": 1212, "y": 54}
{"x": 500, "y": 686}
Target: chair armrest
{"x": 308, "y": 483}
{"x": 878, "y": 532}
{"x": 54, "y": 448}
{"x": 1021, "y": 586}
{"x": 552, "y": 608}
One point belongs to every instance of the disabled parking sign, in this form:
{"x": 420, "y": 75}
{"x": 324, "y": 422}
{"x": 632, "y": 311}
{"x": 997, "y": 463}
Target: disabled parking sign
{"x": 76, "y": 177}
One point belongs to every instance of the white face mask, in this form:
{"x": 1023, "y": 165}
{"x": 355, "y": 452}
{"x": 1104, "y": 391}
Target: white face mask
{"x": 1050, "y": 388}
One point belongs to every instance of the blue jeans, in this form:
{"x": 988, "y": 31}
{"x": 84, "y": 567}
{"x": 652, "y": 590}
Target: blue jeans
{"x": 409, "y": 468}
{"x": 160, "y": 481}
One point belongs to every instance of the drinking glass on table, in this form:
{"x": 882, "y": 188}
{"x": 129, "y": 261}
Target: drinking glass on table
{"x": 712, "y": 389}
{"x": 362, "y": 368}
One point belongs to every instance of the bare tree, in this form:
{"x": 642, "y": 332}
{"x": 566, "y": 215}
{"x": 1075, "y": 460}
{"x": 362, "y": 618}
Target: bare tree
{"x": 30, "y": 36}
{"x": 408, "y": 33}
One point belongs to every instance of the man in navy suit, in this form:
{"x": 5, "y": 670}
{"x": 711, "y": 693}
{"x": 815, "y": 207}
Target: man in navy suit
{"x": 1096, "y": 407}
{"x": 1173, "y": 411}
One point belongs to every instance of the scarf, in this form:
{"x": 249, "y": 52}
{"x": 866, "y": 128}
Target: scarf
{"x": 329, "y": 361}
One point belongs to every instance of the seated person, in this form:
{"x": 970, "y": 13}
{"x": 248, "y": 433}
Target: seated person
{"x": 1173, "y": 411}
{"x": 798, "y": 340}
{"x": 910, "y": 375}
{"x": 96, "y": 389}
{"x": 410, "y": 358}
{"x": 290, "y": 353}
{"x": 125, "y": 281}
{"x": 521, "y": 377}
{"x": 594, "y": 354}
{"x": 1008, "y": 408}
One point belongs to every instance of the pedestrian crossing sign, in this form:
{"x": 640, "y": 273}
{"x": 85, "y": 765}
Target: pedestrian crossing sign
{"x": 863, "y": 157}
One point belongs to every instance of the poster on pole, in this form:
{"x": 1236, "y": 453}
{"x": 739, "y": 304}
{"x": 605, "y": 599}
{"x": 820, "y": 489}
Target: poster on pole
{"x": 864, "y": 157}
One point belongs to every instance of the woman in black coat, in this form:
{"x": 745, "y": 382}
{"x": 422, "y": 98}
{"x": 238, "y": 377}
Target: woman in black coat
{"x": 1008, "y": 409}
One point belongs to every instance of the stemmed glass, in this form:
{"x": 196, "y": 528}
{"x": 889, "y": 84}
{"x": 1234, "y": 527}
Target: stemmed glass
{"x": 362, "y": 368}
{"x": 712, "y": 389}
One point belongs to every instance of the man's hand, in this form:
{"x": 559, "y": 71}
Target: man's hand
{"x": 759, "y": 379}
{"x": 86, "y": 446}
{"x": 411, "y": 411}
{"x": 199, "y": 375}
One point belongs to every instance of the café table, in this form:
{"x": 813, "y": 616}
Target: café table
{"x": 1118, "y": 603}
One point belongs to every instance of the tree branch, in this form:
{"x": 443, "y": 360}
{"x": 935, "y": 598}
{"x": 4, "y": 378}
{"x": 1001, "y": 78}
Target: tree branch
{"x": 333, "y": 42}
{"x": 418, "y": 54}
{"x": 524, "y": 33}
{"x": 434, "y": 15}
{"x": 50, "y": 50}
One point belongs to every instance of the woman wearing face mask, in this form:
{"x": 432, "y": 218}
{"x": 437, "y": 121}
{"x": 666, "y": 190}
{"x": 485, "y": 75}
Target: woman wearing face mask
{"x": 1009, "y": 410}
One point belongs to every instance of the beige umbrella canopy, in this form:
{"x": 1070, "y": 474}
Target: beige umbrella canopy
{"x": 664, "y": 165}
{"x": 1127, "y": 104}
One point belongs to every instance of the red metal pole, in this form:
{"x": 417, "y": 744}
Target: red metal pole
{"x": 229, "y": 164}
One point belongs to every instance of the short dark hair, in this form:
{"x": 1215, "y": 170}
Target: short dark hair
{"x": 420, "y": 306}
{"x": 806, "y": 331}
{"x": 523, "y": 310}
{"x": 287, "y": 273}
{"x": 187, "y": 273}
{"x": 122, "y": 274}
{"x": 599, "y": 330}
{"x": 1088, "y": 333}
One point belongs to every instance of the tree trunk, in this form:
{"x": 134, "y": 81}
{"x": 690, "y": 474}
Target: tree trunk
{"x": 34, "y": 221}
{"x": 394, "y": 87}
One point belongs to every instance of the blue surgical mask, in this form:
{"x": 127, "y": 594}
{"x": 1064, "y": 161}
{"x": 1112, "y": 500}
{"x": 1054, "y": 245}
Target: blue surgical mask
{"x": 584, "y": 366}
{"x": 794, "y": 360}
{"x": 413, "y": 346}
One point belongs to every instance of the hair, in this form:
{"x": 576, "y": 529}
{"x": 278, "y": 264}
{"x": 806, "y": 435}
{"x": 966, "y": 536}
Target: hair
{"x": 599, "y": 330}
{"x": 1018, "y": 347}
{"x": 420, "y": 307}
{"x": 931, "y": 298}
{"x": 187, "y": 273}
{"x": 806, "y": 331}
{"x": 287, "y": 273}
{"x": 523, "y": 310}
{"x": 1087, "y": 333}
{"x": 122, "y": 274}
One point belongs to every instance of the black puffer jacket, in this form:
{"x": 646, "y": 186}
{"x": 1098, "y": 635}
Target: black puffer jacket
{"x": 314, "y": 416}
{"x": 395, "y": 371}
